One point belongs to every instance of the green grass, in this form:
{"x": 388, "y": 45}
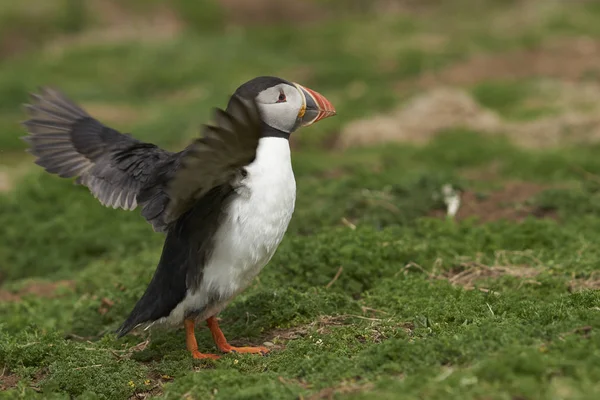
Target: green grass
{"x": 513, "y": 340}
{"x": 391, "y": 325}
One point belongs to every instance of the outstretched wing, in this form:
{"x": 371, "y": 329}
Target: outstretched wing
{"x": 123, "y": 172}
{"x": 68, "y": 142}
{"x": 216, "y": 158}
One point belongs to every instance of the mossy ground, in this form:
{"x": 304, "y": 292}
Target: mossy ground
{"x": 374, "y": 293}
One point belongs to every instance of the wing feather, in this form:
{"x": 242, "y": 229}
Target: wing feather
{"x": 68, "y": 142}
{"x": 215, "y": 159}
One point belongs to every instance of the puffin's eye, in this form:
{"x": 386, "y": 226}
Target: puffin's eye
{"x": 281, "y": 98}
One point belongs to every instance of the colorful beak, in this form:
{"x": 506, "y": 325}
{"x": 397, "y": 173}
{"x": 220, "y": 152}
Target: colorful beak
{"x": 316, "y": 106}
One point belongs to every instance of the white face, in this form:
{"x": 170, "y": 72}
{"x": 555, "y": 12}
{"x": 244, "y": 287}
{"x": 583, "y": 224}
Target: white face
{"x": 280, "y": 106}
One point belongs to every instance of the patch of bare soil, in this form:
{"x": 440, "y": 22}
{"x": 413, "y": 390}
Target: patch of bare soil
{"x": 117, "y": 24}
{"x": 11, "y": 42}
{"x": 429, "y": 114}
{"x": 8, "y": 381}
{"x": 590, "y": 283}
{"x": 421, "y": 119}
{"x": 244, "y": 13}
{"x": 509, "y": 203}
{"x": 152, "y": 387}
{"x": 443, "y": 106}
{"x": 325, "y": 324}
{"x": 568, "y": 127}
{"x": 12, "y": 171}
{"x": 5, "y": 183}
{"x": 485, "y": 173}
{"x": 258, "y": 12}
{"x": 40, "y": 289}
{"x": 276, "y": 339}
{"x": 348, "y": 387}
{"x": 567, "y": 59}
{"x": 470, "y": 273}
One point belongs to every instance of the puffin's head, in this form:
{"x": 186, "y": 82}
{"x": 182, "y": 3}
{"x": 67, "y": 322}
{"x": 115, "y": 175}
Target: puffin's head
{"x": 284, "y": 105}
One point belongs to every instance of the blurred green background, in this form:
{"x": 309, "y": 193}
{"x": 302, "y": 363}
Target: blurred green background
{"x": 375, "y": 290}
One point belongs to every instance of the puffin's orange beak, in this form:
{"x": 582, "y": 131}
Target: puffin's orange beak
{"x": 315, "y": 108}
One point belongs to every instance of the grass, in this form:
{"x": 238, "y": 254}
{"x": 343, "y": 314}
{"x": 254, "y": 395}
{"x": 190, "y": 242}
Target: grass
{"x": 371, "y": 293}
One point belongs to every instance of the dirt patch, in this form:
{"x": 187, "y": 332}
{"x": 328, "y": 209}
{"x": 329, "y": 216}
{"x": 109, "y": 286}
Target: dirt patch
{"x": 590, "y": 283}
{"x": 485, "y": 173}
{"x": 469, "y": 273}
{"x": 260, "y": 12}
{"x": 322, "y": 325}
{"x": 152, "y": 388}
{"x": 431, "y": 113}
{"x": 565, "y": 95}
{"x": 326, "y": 324}
{"x": 5, "y": 183}
{"x": 509, "y": 203}
{"x": 14, "y": 169}
{"x": 105, "y": 305}
{"x": 421, "y": 119}
{"x": 569, "y": 127}
{"x": 117, "y": 24}
{"x": 244, "y": 13}
{"x": 11, "y": 42}
{"x": 40, "y": 289}
{"x": 568, "y": 59}
{"x": 277, "y": 338}
{"x": 559, "y": 67}
{"x": 8, "y": 381}
{"x": 348, "y": 387}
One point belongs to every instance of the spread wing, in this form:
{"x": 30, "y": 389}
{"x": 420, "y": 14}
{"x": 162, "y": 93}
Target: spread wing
{"x": 68, "y": 142}
{"x": 216, "y": 158}
{"x": 123, "y": 172}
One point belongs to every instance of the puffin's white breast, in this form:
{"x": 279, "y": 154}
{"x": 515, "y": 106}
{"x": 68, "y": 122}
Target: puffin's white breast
{"x": 254, "y": 226}
{"x": 256, "y": 221}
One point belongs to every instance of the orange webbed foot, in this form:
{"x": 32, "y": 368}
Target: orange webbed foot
{"x": 247, "y": 350}
{"x": 201, "y": 356}
{"x": 192, "y": 345}
{"x": 225, "y": 347}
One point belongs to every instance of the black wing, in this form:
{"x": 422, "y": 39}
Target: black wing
{"x": 202, "y": 180}
{"x": 68, "y": 142}
{"x": 216, "y": 158}
{"x": 123, "y": 172}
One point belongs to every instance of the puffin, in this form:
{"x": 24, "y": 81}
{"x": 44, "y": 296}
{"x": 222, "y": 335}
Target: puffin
{"x": 223, "y": 203}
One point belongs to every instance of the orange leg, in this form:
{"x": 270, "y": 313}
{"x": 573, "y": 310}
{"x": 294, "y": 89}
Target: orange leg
{"x": 225, "y": 347}
{"x": 192, "y": 345}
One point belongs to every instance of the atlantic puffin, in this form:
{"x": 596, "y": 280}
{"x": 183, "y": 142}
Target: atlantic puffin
{"x": 224, "y": 202}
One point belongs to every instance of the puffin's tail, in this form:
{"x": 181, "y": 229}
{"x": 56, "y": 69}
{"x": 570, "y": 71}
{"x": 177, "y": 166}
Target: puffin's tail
{"x": 166, "y": 289}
